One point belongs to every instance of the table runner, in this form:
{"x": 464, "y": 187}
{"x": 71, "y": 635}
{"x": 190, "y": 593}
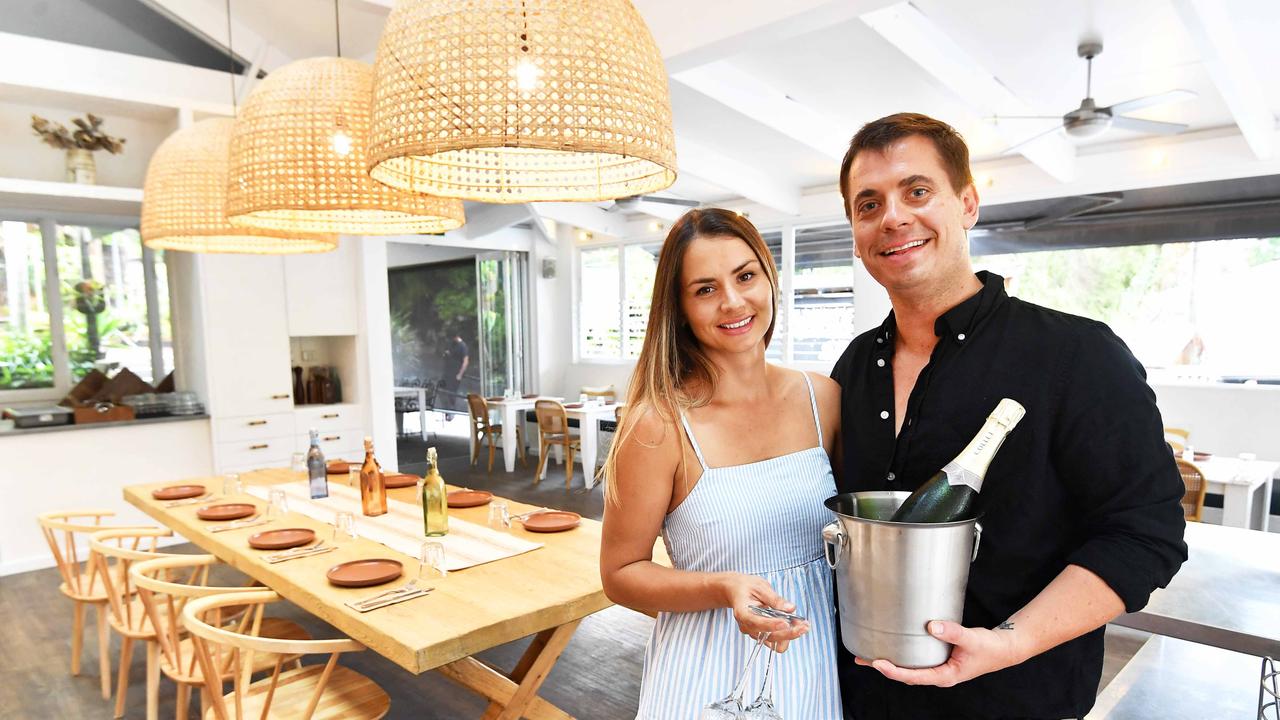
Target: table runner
{"x": 466, "y": 545}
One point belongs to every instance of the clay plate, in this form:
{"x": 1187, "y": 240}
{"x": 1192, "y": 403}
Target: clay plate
{"x": 1202, "y": 455}
{"x": 554, "y": 521}
{"x": 363, "y": 573}
{"x": 337, "y": 467}
{"x": 468, "y": 498}
{"x": 573, "y": 406}
{"x": 281, "y": 539}
{"x": 495, "y": 399}
{"x": 226, "y": 511}
{"x": 399, "y": 480}
{"x": 178, "y": 492}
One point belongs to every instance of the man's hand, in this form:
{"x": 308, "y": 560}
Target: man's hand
{"x": 977, "y": 651}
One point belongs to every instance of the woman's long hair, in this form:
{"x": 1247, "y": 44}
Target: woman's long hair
{"x": 673, "y": 373}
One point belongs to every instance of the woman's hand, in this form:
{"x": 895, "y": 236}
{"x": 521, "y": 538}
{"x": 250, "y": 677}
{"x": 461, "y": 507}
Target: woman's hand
{"x": 741, "y": 591}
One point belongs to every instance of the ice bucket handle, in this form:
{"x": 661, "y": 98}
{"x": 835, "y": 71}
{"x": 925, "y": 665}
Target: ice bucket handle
{"x": 833, "y": 539}
{"x": 977, "y": 539}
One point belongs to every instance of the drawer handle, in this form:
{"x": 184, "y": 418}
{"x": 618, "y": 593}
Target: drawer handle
{"x": 280, "y": 396}
{"x": 257, "y": 422}
{"x": 259, "y": 446}
{"x": 329, "y": 416}
{"x": 329, "y": 438}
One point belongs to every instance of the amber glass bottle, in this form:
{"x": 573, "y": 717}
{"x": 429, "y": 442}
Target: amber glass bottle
{"x": 373, "y": 494}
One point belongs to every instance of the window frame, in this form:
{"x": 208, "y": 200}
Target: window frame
{"x": 579, "y": 357}
{"x": 48, "y": 223}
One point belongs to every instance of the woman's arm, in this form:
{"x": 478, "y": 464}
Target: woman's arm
{"x": 649, "y": 464}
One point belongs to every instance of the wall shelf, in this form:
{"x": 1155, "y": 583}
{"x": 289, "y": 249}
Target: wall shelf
{"x": 41, "y": 195}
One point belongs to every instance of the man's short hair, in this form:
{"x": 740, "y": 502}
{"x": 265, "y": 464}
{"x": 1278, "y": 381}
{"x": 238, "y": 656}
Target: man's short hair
{"x": 878, "y": 135}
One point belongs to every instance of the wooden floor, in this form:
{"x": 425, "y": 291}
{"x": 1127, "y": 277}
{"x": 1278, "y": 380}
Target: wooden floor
{"x": 598, "y": 676}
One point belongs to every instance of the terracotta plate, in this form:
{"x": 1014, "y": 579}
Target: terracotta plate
{"x": 337, "y": 467}
{"x": 178, "y": 492}
{"x": 1202, "y": 455}
{"x": 495, "y": 399}
{"x": 281, "y": 539}
{"x": 399, "y": 480}
{"x": 530, "y": 396}
{"x": 226, "y": 511}
{"x": 553, "y": 521}
{"x": 573, "y": 406}
{"x": 363, "y": 573}
{"x": 468, "y": 498}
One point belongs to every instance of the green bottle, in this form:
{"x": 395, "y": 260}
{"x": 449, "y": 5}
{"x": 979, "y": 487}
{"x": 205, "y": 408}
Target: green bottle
{"x": 949, "y": 495}
{"x": 435, "y": 506}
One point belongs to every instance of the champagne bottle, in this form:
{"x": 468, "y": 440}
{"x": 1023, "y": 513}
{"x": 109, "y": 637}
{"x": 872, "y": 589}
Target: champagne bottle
{"x": 373, "y": 494}
{"x": 317, "y": 473}
{"x": 949, "y": 495}
{"x": 435, "y": 507}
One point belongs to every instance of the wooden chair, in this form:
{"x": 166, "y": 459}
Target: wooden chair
{"x": 1176, "y": 438}
{"x": 1193, "y": 481}
{"x": 165, "y": 586}
{"x": 553, "y": 429}
{"x": 65, "y": 532}
{"x": 312, "y": 691}
{"x": 114, "y": 551}
{"x": 482, "y": 430}
{"x": 603, "y": 391}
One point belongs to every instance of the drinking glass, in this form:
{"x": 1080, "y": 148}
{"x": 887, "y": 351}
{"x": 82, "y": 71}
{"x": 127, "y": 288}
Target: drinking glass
{"x": 231, "y": 484}
{"x": 431, "y": 555}
{"x": 762, "y": 707}
{"x": 277, "y": 505}
{"x": 1188, "y": 453}
{"x": 298, "y": 463}
{"x": 353, "y": 476}
{"x": 728, "y": 707}
{"x": 499, "y": 519}
{"x": 344, "y": 528}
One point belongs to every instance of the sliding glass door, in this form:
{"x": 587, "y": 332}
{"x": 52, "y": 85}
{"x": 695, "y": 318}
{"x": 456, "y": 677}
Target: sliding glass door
{"x": 502, "y": 315}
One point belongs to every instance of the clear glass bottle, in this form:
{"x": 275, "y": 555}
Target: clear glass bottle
{"x": 317, "y": 472}
{"x": 435, "y": 505}
{"x": 373, "y": 494}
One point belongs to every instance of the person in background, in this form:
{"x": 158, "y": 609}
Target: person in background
{"x": 1080, "y": 508}
{"x": 457, "y": 356}
{"x": 726, "y": 457}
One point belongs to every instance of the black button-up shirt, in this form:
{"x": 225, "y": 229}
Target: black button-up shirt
{"x": 1085, "y": 479}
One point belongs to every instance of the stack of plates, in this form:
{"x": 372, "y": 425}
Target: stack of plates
{"x": 184, "y": 403}
{"x": 146, "y": 404}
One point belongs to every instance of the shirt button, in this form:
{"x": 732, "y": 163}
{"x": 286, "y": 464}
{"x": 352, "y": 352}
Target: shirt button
{"x": 884, "y": 414}
{"x": 880, "y": 340}
{"x": 880, "y": 362}
{"x": 891, "y": 477}
{"x": 960, "y": 337}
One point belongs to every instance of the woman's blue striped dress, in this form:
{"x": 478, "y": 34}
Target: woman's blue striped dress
{"x": 764, "y": 518}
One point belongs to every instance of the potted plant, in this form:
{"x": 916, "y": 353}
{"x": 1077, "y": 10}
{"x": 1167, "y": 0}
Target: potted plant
{"x": 80, "y": 144}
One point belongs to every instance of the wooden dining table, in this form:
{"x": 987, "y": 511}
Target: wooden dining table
{"x": 546, "y": 593}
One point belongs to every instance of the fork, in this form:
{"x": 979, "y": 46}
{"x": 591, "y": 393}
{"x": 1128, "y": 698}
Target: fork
{"x": 188, "y": 501}
{"x": 238, "y": 524}
{"x": 526, "y": 515}
{"x": 410, "y": 586}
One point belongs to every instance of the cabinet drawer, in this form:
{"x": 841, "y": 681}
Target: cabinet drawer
{"x": 344, "y": 444}
{"x": 255, "y": 427}
{"x": 268, "y": 452}
{"x": 327, "y": 417}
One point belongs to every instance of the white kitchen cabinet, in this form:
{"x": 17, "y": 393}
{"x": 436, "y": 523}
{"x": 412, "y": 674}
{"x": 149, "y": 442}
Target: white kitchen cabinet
{"x": 321, "y": 291}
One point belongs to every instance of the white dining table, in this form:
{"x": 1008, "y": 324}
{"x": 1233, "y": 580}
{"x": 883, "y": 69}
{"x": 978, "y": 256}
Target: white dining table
{"x": 1245, "y": 486}
{"x": 589, "y": 417}
{"x": 512, "y": 410}
{"x": 421, "y": 394}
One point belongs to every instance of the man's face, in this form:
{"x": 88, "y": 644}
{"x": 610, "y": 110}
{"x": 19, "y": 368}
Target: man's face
{"x": 909, "y": 225}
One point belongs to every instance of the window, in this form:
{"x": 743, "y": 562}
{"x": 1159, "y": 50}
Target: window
{"x": 74, "y": 298}
{"x": 822, "y": 285}
{"x": 1204, "y": 310}
{"x": 615, "y": 288}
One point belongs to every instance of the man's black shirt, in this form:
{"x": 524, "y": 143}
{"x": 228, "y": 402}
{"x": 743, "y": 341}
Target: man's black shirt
{"x": 1084, "y": 479}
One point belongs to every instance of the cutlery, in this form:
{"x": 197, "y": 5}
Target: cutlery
{"x": 189, "y": 501}
{"x": 389, "y": 600}
{"x": 318, "y": 549}
{"x": 526, "y": 515}
{"x": 238, "y": 524}
{"x": 772, "y": 613}
{"x": 410, "y": 586}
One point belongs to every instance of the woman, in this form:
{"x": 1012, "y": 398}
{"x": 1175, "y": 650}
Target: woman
{"x": 725, "y": 456}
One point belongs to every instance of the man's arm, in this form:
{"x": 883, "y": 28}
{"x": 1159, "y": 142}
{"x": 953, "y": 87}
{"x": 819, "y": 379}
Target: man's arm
{"x": 466, "y": 360}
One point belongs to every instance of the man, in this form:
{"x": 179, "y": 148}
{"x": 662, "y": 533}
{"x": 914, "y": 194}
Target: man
{"x": 456, "y": 359}
{"x": 1080, "y": 508}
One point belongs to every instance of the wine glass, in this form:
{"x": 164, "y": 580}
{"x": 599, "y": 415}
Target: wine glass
{"x": 728, "y": 707}
{"x": 762, "y": 707}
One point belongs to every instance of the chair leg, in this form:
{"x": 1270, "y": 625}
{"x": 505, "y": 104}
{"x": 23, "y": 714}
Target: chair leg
{"x": 542, "y": 463}
{"x": 104, "y": 646}
{"x": 122, "y": 686}
{"x": 182, "y": 706}
{"x": 77, "y": 636}
{"x": 475, "y": 447}
{"x": 524, "y": 457}
{"x": 489, "y": 437}
{"x": 568, "y": 468}
{"x": 153, "y": 680}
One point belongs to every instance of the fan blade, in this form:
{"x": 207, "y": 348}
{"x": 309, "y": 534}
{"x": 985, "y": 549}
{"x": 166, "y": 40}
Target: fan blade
{"x": 995, "y": 119}
{"x": 670, "y": 200}
{"x": 1163, "y": 98}
{"x": 1014, "y": 147}
{"x": 1147, "y": 126}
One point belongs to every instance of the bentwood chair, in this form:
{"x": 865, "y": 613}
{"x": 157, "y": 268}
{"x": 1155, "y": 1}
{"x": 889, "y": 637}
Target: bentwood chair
{"x": 165, "y": 586}
{"x": 484, "y": 431}
{"x": 1193, "y": 481}
{"x": 1176, "y": 438}
{"x": 322, "y": 691}
{"x": 114, "y": 551}
{"x": 605, "y": 392}
{"x": 65, "y": 533}
{"x": 553, "y": 429}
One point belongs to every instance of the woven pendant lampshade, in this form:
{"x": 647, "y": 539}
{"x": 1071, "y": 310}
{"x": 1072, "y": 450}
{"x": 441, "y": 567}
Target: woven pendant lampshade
{"x": 298, "y": 159}
{"x": 505, "y": 101}
{"x": 184, "y": 200}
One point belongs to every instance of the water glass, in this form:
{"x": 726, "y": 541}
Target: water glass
{"x": 499, "y": 518}
{"x": 431, "y": 560}
{"x": 277, "y": 505}
{"x": 231, "y": 484}
{"x": 1188, "y": 453}
{"x": 344, "y": 528}
{"x": 298, "y": 463}
{"x": 582, "y": 399}
{"x": 353, "y": 476}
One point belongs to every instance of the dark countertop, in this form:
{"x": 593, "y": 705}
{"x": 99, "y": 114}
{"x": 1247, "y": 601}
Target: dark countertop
{"x": 16, "y": 432}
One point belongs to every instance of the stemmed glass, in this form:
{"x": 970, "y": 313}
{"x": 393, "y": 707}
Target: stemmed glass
{"x": 762, "y": 707}
{"x": 728, "y": 707}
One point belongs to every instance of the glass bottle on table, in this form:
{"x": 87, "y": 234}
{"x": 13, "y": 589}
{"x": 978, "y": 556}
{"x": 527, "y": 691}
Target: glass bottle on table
{"x": 317, "y": 472}
{"x": 435, "y": 505}
{"x": 373, "y": 494}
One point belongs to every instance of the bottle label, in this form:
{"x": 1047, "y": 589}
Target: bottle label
{"x": 957, "y": 475}
{"x": 970, "y": 467}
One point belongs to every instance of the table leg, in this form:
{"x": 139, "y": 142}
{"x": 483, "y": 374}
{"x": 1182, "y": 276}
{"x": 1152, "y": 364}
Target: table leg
{"x": 422, "y": 412}
{"x": 516, "y": 695}
{"x": 589, "y": 429}
{"x": 1237, "y": 506}
{"x": 1264, "y": 505}
{"x": 509, "y": 414}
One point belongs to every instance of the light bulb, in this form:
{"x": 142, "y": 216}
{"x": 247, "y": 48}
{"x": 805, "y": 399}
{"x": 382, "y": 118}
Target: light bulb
{"x": 342, "y": 143}
{"x": 527, "y": 74}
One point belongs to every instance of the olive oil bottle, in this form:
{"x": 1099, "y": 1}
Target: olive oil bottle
{"x": 435, "y": 506}
{"x": 949, "y": 494}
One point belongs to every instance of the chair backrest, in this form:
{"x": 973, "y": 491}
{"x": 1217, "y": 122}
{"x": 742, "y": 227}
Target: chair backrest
{"x": 114, "y": 551}
{"x": 479, "y": 411}
{"x": 551, "y": 417}
{"x": 603, "y": 391}
{"x": 1193, "y": 497}
{"x": 203, "y": 618}
{"x": 1176, "y": 438}
{"x": 63, "y": 530}
{"x": 165, "y": 585}
{"x": 619, "y": 412}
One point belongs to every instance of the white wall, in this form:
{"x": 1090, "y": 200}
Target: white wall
{"x": 1224, "y": 419}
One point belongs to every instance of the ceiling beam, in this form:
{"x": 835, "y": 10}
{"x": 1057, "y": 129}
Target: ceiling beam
{"x": 209, "y": 22}
{"x": 1223, "y": 57}
{"x": 586, "y": 216}
{"x": 919, "y": 39}
{"x": 488, "y": 218}
{"x": 736, "y": 176}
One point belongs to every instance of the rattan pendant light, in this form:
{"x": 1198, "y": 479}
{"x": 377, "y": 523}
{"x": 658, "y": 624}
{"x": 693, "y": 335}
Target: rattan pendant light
{"x": 298, "y": 159}
{"x": 506, "y": 101}
{"x": 184, "y": 199}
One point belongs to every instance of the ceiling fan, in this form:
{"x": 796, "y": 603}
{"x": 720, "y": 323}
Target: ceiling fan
{"x": 1089, "y": 120}
{"x": 667, "y": 208}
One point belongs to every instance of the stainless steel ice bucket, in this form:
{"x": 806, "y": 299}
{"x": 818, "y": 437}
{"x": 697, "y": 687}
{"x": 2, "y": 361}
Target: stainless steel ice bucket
{"x": 893, "y": 578}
